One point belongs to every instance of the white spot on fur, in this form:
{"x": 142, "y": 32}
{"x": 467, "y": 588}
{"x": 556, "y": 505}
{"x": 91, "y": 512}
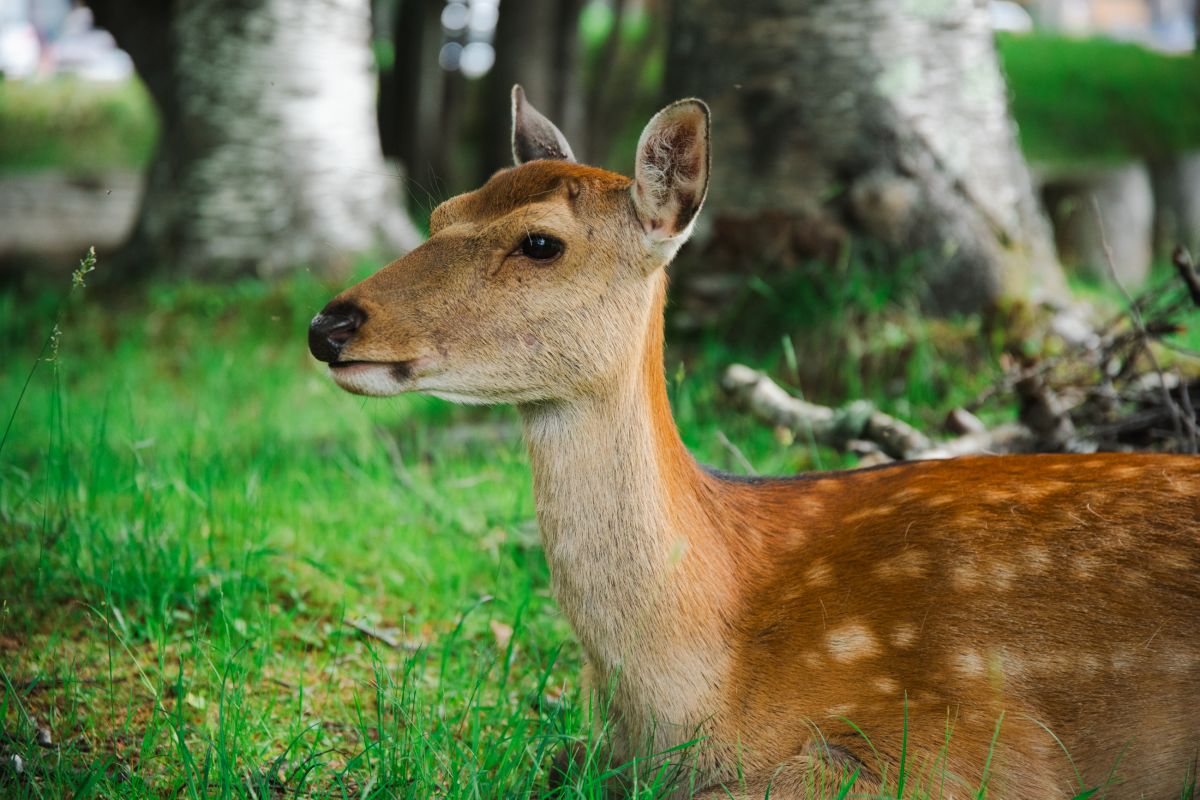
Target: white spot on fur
{"x": 907, "y": 494}
{"x": 1085, "y": 567}
{"x": 904, "y": 635}
{"x": 851, "y": 642}
{"x": 911, "y": 564}
{"x": 1123, "y": 661}
{"x": 1001, "y": 576}
{"x": 819, "y": 575}
{"x": 886, "y": 686}
{"x": 842, "y": 710}
{"x": 964, "y": 577}
{"x": 1036, "y": 559}
{"x": 868, "y": 513}
{"x": 970, "y": 663}
{"x": 999, "y": 496}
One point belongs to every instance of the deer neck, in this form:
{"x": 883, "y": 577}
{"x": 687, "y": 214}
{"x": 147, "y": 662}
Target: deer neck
{"x": 624, "y": 513}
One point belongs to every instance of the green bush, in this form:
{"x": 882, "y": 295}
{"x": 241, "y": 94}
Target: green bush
{"x": 1093, "y": 100}
{"x": 77, "y": 126}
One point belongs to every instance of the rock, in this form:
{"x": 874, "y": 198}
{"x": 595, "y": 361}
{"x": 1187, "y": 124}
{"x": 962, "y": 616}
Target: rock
{"x": 44, "y": 739}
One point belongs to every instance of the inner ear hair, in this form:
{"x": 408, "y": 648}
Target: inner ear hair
{"x": 533, "y": 136}
{"x": 671, "y": 176}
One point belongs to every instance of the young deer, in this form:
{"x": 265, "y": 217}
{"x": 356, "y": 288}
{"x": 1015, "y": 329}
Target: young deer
{"x": 1028, "y": 624}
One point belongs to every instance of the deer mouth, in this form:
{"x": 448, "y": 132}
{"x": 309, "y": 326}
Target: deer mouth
{"x": 401, "y": 369}
{"x": 377, "y": 378}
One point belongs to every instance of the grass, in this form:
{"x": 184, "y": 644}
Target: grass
{"x": 196, "y": 527}
{"x": 1097, "y": 101}
{"x": 75, "y": 126}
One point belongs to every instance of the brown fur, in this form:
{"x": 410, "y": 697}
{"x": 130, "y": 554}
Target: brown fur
{"x": 1044, "y": 594}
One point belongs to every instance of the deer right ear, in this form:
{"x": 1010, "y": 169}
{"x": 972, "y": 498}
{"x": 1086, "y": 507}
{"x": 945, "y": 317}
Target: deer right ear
{"x": 534, "y": 136}
{"x": 671, "y": 170}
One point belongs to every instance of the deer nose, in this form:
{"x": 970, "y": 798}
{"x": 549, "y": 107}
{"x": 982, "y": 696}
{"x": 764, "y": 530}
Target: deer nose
{"x": 330, "y": 330}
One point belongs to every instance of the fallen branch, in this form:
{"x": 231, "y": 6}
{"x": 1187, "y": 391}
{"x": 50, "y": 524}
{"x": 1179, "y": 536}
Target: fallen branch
{"x": 375, "y": 633}
{"x": 859, "y": 422}
{"x": 1103, "y": 388}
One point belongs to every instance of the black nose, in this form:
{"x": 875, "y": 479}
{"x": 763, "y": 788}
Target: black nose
{"x": 330, "y": 330}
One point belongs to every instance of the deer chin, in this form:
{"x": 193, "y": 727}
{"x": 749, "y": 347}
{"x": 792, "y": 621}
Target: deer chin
{"x": 373, "y": 378}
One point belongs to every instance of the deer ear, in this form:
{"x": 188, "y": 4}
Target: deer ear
{"x": 534, "y": 136}
{"x": 671, "y": 172}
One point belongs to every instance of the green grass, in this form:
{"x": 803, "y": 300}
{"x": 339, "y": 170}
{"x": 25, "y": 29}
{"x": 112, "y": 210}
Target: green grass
{"x": 77, "y": 126}
{"x": 1097, "y": 101}
{"x": 192, "y": 516}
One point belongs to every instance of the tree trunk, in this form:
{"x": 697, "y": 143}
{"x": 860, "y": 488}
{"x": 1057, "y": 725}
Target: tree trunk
{"x": 525, "y": 54}
{"x": 879, "y": 119}
{"x": 270, "y": 155}
{"x": 567, "y": 102}
{"x": 418, "y": 81}
{"x": 1177, "y": 203}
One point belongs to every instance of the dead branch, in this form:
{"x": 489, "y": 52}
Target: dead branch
{"x": 859, "y": 426}
{"x": 375, "y": 633}
{"x": 1182, "y": 260}
{"x": 1105, "y": 388}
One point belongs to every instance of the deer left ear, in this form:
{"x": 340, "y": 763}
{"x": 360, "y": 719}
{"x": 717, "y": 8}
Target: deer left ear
{"x": 671, "y": 173}
{"x": 534, "y": 136}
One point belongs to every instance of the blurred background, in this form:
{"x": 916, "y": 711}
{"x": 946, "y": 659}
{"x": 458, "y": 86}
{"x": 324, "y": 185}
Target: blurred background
{"x": 215, "y": 138}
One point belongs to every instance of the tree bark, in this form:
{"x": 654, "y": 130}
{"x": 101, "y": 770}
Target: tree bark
{"x": 567, "y": 103}
{"x": 879, "y": 119}
{"x": 525, "y": 54}
{"x": 418, "y": 81}
{"x": 270, "y": 155}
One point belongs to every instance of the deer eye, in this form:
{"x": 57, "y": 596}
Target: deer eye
{"x": 540, "y": 247}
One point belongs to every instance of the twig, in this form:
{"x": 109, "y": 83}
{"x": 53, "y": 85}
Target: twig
{"x": 1182, "y": 260}
{"x": 374, "y": 633}
{"x": 860, "y": 421}
{"x": 1135, "y": 315}
{"x": 736, "y": 452}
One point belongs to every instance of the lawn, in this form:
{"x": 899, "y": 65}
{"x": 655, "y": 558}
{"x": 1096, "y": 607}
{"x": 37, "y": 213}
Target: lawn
{"x": 223, "y": 576}
{"x": 1096, "y": 101}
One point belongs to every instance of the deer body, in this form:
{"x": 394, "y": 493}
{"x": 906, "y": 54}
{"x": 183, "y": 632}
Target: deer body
{"x": 970, "y": 618}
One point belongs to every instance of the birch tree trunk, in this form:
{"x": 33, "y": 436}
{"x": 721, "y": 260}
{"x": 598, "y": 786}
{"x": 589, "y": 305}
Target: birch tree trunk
{"x": 881, "y": 118}
{"x": 270, "y": 156}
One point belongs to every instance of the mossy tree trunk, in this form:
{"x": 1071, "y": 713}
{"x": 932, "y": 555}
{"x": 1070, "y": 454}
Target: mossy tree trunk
{"x": 880, "y": 119}
{"x": 269, "y": 157}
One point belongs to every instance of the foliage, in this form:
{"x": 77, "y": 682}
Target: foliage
{"x": 76, "y": 126}
{"x": 1096, "y": 100}
{"x": 855, "y": 330}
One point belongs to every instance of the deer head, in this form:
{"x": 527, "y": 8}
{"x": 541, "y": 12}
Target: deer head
{"x": 528, "y": 289}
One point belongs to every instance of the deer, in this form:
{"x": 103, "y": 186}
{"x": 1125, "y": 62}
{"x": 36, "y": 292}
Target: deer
{"x": 1020, "y": 626}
